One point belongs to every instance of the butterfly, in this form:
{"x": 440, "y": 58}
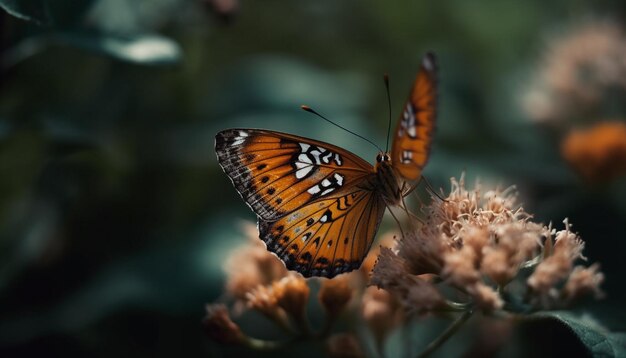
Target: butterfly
{"x": 318, "y": 205}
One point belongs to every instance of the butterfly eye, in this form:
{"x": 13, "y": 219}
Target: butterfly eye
{"x": 379, "y": 158}
{"x": 386, "y": 158}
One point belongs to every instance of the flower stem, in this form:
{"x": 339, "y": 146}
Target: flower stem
{"x": 267, "y": 345}
{"x": 326, "y": 328}
{"x": 282, "y": 320}
{"x": 449, "y": 332}
{"x": 532, "y": 262}
{"x": 262, "y": 345}
{"x": 456, "y": 306}
{"x": 303, "y": 324}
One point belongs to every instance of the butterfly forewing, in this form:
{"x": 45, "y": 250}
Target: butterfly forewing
{"x": 277, "y": 173}
{"x": 415, "y": 129}
{"x": 327, "y": 237}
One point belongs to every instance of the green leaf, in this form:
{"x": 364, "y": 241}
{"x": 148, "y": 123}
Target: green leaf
{"x": 29, "y": 10}
{"x": 599, "y": 340}
{"x": 141, "y": 49}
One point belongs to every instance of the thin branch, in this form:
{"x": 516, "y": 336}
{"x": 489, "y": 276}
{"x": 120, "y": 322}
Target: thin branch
{"x": 449, "y": 332}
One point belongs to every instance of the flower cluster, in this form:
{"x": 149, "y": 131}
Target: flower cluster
{"x": 489, "y": 252}
{"x": 579, "y": 70}
{"x": 597, "y": 153}
{"x": 257, "y": 280}
{"x": 474, "y": 251}
{"x": 580, "y": 85}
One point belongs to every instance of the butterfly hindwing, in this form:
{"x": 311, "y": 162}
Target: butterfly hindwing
{"x": 327, "y": 237}
{"x": 415, "y": 129}
{"x": 276, "y": 173}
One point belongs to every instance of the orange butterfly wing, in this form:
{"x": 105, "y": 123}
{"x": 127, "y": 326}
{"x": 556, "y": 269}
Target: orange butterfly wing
{"x": 276, "y": 173}
{"x": 327, "y": 237}
{"x": 415, "y": 129}
{"x": 317, "y": 205}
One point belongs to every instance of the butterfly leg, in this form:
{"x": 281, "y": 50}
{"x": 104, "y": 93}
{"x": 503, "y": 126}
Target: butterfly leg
{"x": 412, "y": 187}
{"x": 397, "y": 221}
{"x": 404, "y": 206}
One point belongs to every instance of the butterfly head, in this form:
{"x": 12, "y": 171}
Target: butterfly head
{"x": 383, "y": 162}
{"x": 383, "y": 157}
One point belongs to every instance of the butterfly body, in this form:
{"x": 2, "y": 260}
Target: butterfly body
{"x": 318, "y": 205}
{"x": 388, "y": 181}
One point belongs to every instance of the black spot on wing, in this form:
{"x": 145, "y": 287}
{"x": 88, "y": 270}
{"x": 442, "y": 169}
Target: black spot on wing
{"x": 236, "y": 163}
{"x": 276, "y": 243}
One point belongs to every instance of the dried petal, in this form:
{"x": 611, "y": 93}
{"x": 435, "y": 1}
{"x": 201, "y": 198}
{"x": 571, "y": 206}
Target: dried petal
{"x": 380, "y": 311}
{"x": 292, "y": 294}
{"x": 422, "y": 296}
{"x": 335, "y": 294}
{"x": 344, "y": 345}
{"x": 496, "y": 265}
{"x": 485, "y": 297}
{"x": 220, "y": 327}
{"x": 460, "y": 268}
{"x": 251, "y": 265}
{"x": 584, "y": 281}
{"x": 262, "y": 299}
{"x": 388, "y": 269}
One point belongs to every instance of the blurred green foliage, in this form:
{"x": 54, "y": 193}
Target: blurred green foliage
{"x": 114, "y": 215}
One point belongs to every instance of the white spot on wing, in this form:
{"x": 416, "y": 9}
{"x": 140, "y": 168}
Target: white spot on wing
{"x": 408, "y": 121}
{"x": 304, "y": 159}
{"x": 339, "y": 179}
{"x": 316, "y": 155}
{"x": 304, "y": 147}
{"x": 301, "y": 173}
{"x": 324, "y": 219}
{"x": 338, "y": 159}
{"x": 240, "y": 138}
{"x": 314, "y": 190}
{"x": 427, "y": 63}
{"x": 325, "y": 183}
{"x": 406, "y": 156}
{"x": 327, "y": 191}
{"x": 326, "y": 157}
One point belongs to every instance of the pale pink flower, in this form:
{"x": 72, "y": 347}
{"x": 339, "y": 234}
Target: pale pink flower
{"x": 477, "y": 244}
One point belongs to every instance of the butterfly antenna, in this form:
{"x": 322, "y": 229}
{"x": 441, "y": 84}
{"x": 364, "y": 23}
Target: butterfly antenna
{"x": 386, "y": 77}
{"x": 309, "y": 109}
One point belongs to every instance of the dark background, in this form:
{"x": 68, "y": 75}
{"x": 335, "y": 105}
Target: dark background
{"x": 114, "y": 215}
